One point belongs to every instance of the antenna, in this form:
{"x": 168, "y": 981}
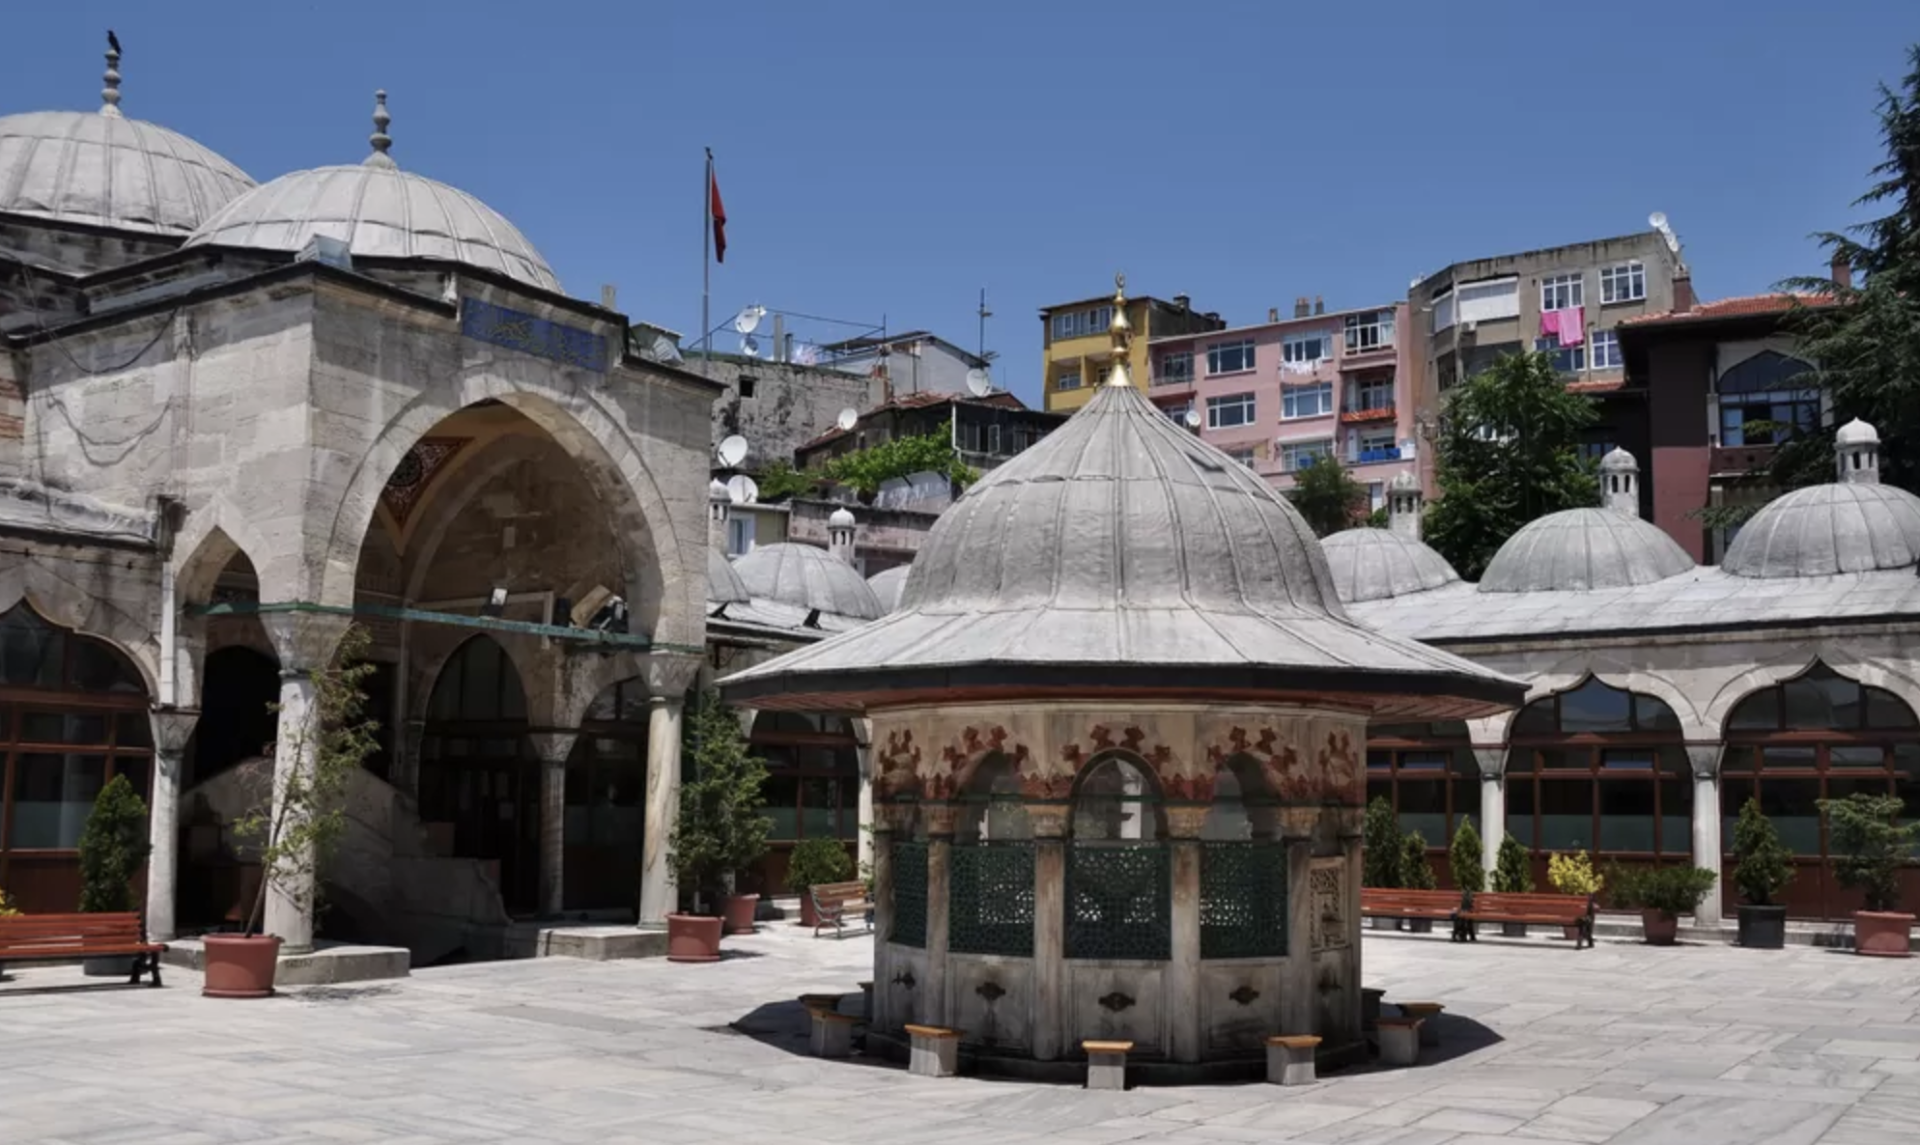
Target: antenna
{"x": 1192, "y": 419}
{"x": 1657, "y": 220}
{"x": 984, "y": 315}
{"x": 979, "y": 382}
{"x": 848, "y": 418}
{"x": 742, "y": 490}
{"x": 733, "y": 450}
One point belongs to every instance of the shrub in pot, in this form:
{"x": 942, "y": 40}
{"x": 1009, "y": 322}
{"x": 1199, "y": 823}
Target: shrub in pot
{"x": 113, "y": 844}
{"x": 816, "y": 862}
{"x": 722, "y": 827}
{"x": 1572, "y": 873}
{"x": 1465, "y": 862}
{"x": 1663, "y": 894}
{"x": 1383, "y": 853}
{"x": 1762, "y": 868}
{"x": 1513, "y": 874}
{"x": 1871, "y": 844}
{"x": 1417, "y": 875}
{"x": 298, "y": 814}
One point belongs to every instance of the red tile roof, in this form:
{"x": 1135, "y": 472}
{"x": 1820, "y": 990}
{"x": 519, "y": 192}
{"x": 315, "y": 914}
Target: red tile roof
{"x": 1747, "y": 306}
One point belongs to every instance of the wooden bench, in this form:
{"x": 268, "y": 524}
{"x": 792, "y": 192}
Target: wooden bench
{"x": 1394, "y": 902}
{"x": 1106, "y": 1063}
{"x": 1543, "y": 910}
{"x": 1399, "y": 1040}
{"x": 933, "y": 1051}
{"x": 839, "y": 905}
{"x": 1290, "y": 1058}
{"x": 38, "y": 937}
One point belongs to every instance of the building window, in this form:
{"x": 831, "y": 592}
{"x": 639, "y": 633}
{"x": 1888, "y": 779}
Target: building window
{"x": 1606, "y": 350}
{"x": 1303, "y": 349}
{"x": 1375, "y": 445}
{"x": 993, "y": 440}
{"x": 1429, "y": 774}
{"x": 1566, "y": 359}
{"x": 1768, "y": 419}
{"x": 1068, "y": 378}
{"x": 1241, "y": 453}
{"x": 1230, "y": 411}
{"x": 1376, "y": 495}
{"x": 1082, "y": 323}
{"x": 1624, "y": 283}
{"x": 1230, "y": 357}
{"x": 1490, "y": 301}
{"x": 1176, "y": 369}
{"x": 1369, "y": 332}
{"x": 1370, "y": 395}
{"x": 1306, "y": 401}
{"x": 1563, "y": 292}
{"x": 1443, "y": 310}
{"x": 1178, "y": 413}
{"x": 1297, "y": 455}
{"x": 740, "y": 535}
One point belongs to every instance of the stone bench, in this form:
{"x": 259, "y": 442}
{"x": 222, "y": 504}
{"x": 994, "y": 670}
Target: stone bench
{"x": 1399, "y": 1040}
{"x": 866, "y": 1000}
{"x": 1106, "y": 1064}
{"x": 933, "y": 1051}
{"x": 832, "y": 1032}
{"x": 1290, "y": 1059}
{"x": 1426, "y": 1012}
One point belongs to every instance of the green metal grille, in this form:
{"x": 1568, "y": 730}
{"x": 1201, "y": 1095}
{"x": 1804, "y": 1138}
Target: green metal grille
{"x": 1243, "y": 900}
{"x": 909, "y": 893}
{"x": 991, "y": 900}
{"x": 1119, "y": 901}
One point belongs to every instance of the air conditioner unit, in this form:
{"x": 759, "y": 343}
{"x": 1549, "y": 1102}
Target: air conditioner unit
{"x": 1469, "y": 327}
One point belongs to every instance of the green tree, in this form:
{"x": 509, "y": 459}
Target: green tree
{"x": 1513, "y": 867}
{"x": 1866, "y": 346}
{"x": 1508, "y": 451}
{"x": 780, "y": 480}
{"x": 112, "y": 846}
{"x": 1415, "y": 871}
{"x": 1765, "y": 866}
{"x": 1464, "y": 860}
{"x": 1870, "y": 845}
{"x": 1328, "y": 497}
{"x": 723, "y": 823}
{"x": 1384, "y": 852}
{"x": 864, "y": 470}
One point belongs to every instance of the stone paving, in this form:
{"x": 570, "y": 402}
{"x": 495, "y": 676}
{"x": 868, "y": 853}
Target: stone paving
{"x": 1624, "y": 1044}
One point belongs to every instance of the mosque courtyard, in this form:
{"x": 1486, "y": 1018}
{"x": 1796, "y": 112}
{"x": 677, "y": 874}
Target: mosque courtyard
{"x": 1621, "y": 1044}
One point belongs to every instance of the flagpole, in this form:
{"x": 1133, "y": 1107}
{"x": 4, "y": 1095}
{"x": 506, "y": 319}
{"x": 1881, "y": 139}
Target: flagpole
{"x": 706, "y": 271}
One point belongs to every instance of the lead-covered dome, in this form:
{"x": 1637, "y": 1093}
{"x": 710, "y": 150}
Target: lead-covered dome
{"x": 104, "y": 170}
{"x": 807, "y": 577}
{"x": 1827, "y": 529}
{"x": 887, "y": 584}
{"x": 724, "y": 585}
{"x": 1376, "y": 564}
{"x": 1583, "y": 549}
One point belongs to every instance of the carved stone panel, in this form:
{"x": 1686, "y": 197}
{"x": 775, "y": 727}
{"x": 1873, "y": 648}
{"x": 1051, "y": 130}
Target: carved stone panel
{"x": 906, "y": 985}
{"x": 1113, "y": 1002}
{"x": 1239, "y": 1003}
{"x": 991, "y": 998}
{"x": 1331, "y": 927}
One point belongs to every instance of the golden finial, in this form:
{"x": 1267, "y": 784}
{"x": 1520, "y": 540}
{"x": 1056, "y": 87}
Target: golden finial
{"x": 1121, "y": 331}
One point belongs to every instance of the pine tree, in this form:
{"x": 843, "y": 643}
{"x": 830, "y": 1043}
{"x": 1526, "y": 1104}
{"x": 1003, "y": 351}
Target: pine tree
{"x": 722, "y": 825}
{"x": 112, "y": 846}
{"x": 1415, "y": 870}
{"x": 1384, "y": 850}
{"x": 1464, "y": 860}
{"x": 1513, "y": 867}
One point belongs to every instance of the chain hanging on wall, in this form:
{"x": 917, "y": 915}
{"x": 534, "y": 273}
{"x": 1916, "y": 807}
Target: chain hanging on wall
{"x": 1118, "y": 901}
{"x": 909, "y": 893}
{"x": 991, "y": 899}
{"x": 1243, "y": 900}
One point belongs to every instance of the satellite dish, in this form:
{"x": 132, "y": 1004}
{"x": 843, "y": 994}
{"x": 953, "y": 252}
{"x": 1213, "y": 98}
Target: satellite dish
{"x": 733, "y": 450}
{"x": 979, "y": 382}
{"x": 748, "y": 320}
{"x": 664, "y": 350}
{"x": 742, "y": 490}
{"x": 749, "y": 347}
{"x": 1657, "y": 220}
{"x": 848, "y": 418}
{"x": 1192, "y": 419}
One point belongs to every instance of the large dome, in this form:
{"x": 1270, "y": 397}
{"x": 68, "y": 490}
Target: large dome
{"x": 724, "y": 585}
{"x": 1828, "y": 529}
{"x": 888, "y": 584}
{"x": 1375, "y": 564}
{"x": 1581, "y": 549}
{"x": 808, "y": 577}
{"x": 104, "y": 170}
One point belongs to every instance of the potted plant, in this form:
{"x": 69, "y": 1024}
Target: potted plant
{"x": 1464, "y": 859}
{"x": 1417, "y": 875}
{"x": 1871, "y": 844}
{"x": 1384, "y": 853}
{"x": 113, "y": 844}
{"x": 298, "y": 815}
{"x": 1572, "y": 873}
{"x": 1763, "y": 868}
{"x": 816, "y": 862}
{"x": 1663, "y": 894}
{"x": 722, "y": 827}
{"x": 1513, "y": 875}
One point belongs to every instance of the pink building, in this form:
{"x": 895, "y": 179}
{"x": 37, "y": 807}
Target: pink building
{"x": 1280, "y": 395}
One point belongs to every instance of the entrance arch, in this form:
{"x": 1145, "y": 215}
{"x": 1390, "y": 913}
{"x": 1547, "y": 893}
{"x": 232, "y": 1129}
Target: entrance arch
{"x": 479, "y": 781}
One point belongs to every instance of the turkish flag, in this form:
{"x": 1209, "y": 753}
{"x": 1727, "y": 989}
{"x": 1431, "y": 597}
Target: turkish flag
{"x": 719, "y": 217}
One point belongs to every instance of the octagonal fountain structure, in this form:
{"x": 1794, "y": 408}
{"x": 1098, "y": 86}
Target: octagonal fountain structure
{"x": 1119, "y": 758}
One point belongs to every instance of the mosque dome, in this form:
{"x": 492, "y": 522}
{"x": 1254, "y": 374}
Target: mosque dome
{"x": 724, "y": 585}
{"x": 1582, "y": 549}
{"x": 808, "y": 577}
{"x": 887, "y": 585}
{"x": 1376, "y": 564}
{"x": 378, "y": 210}
{"x": 1826, "y": 529}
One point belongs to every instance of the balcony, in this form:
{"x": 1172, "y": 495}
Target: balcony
{"x": 1739, "y": 460}
{"x": 1358, "y": 415}
{"x": 1371, "y": 456}
{"x": 1171, "y": 381}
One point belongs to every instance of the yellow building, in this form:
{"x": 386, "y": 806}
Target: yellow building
{"x": 1076, "y": 351}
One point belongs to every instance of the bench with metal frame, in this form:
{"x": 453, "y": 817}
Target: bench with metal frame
{"x": 50, "y": 937}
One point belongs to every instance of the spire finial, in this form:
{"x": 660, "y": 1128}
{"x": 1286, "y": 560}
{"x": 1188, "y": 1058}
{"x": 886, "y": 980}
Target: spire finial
{"x": 110, "y": 94}
{"x": 380, "y": 139}
{"x": 1121, "y": 331}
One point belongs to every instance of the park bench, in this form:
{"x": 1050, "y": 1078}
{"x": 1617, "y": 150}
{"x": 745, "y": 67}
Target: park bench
{"x": 45, "y": 937}
{"x": 839, "y": 905}
{"x": 1394, "y": 902}
{"x": 1544, "y": 910}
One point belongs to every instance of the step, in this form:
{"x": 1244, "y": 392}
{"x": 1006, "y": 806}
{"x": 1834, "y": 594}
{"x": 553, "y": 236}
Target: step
{"x": 327, "y": 964}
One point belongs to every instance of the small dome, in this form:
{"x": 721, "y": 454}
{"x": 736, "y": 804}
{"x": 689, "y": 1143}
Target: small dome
{"x": 887, "y": 584}
{"x": 1619, "y": 460}
{"x": 1579, "y": 549}
{"x": 1826, "y": 529}
{"x": 724, "y": 585}
{"x": 1375, "y": 564}
{"x": 808, "y": 577}
{"x": 1856, "y": 432}
{"x": 378, "y": 211}
{"x": 109, "y": 171}
{"x": 841, "y": 519}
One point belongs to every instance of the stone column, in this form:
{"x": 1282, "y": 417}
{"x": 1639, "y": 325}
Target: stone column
{"x": 863, "y": 752}
{"x": 657, "y": 891}
{"x": 552, "y": 749}
{"x": 940, "y": 817}
{"x": 1298, "y": 1012}
{"x": 172, "y": 727}
{"x": 1707, "y": 845}
{"x": 884, "y": 826}
{"x": 1493, "y": 802}
{"x": 403, "y": 774}
{"x": 305, "y": 642}
{"x": 1049, "y": 929}
{"x": 1183, "y": 967}
{"x": 1348, "y": 1011}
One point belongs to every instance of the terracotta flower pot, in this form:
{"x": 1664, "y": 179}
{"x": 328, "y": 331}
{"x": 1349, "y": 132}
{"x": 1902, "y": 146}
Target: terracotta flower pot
{"x": 740, "y": 911}
{"x": 1661, "y": 928}
{"x": 693, "y": 938}
{"x": 809, "y": 914}
{"x": 240, "y": 965}
{"x": 1882, "y": 934}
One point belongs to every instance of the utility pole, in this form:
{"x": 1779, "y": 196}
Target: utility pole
{"x": 984, "y": 315}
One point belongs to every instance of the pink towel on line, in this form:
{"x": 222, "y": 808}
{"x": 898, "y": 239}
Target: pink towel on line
{"x": 1549, "y": 322}
{"x": 1573, "y": 326}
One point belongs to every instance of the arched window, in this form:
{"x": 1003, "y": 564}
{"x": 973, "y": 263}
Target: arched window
{"x": 1429, "y": 773}
{"x": 1817, "y": 736}
{"x": 1599, "y": 769}
{"x": 73, "y": 714}
{"x": 990, "y": 896}
{"x": 812, "y": 790}
{"x": 479, "y": 783}
{"x": 1119, "y": 880}
{"x": 1243, "y": 867}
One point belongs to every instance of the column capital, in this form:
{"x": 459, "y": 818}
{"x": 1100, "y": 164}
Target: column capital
{"x": 1186, "y": 820}
{"x": 172, "y": 728}
{"x": 1492, "y": 761}
{"x": 552, "y": 747}
{"x": 1049, "y": 820}
{"x": 940, "y": 819}
{"x": 670, "y": 673}
{"x": 304, "y": 641}
{"x": 1705, "y": 758}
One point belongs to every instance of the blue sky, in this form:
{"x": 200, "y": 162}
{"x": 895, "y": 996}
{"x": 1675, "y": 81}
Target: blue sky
{"x": 890, "y": 159}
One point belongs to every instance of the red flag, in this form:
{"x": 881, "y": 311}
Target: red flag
{"x": 719, "y": 214}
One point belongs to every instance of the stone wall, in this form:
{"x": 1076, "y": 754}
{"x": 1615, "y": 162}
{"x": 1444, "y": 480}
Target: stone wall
{"x": 883, "y": 538}
{"x": 789, "y": 405}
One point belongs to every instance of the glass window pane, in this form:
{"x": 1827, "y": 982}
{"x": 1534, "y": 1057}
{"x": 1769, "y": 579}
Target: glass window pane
{"x": 1555, "y": 759}
{"x": 783, "y": 802}
{"x": 1566, "y": 814}
{"x": 1857, "y": 756}
{"x": 94, "y": 667}
{"x": 133, "y": 729}
{"x": 1652, "y": 714}
{"x": 1379, "y": 789}
{"x": 1793, "y": 805}
{"x": 1841, "y": 786}
{"x": 819, "y": 808}
{"x": 52, "y": 797}
{"x": 1423, "y": 806}
{"x": 1676, "y": 817}
{"x": 1627, "y": 814}
{"x": 1810, "y": 706}
{"x": 1536, "y": 719}
{"x": 1734, "y": 793}
{"x": 1758, "y": 712}
{"x": 1594, "y": 707}
{"x": 1739, "y": 757}
{"x": 30, "y": 650}
{"x": 1906, "y": 766}
{"x": 1519, "y": 761}
{"x": 77, "y": 728}
{"x": 1886, "y": 710}
{"x": 1785, "y": 758}
{"x": 1627, "y": 760}
{"x": 1520, "y": 802}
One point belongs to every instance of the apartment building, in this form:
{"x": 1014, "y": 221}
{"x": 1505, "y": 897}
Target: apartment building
{"x": 1281, "y": 395}
{"x": 1076, "y": 352}
{"x": 1566, "y": 300}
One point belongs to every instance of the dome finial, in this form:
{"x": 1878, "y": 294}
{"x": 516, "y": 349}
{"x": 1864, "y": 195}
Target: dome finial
{"x": 110, "y": 94}
{"x": 380, "y": 139}
{"x": 1121, "y": 332}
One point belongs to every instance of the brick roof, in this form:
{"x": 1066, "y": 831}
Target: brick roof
{"x": 1746, "y": 306}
